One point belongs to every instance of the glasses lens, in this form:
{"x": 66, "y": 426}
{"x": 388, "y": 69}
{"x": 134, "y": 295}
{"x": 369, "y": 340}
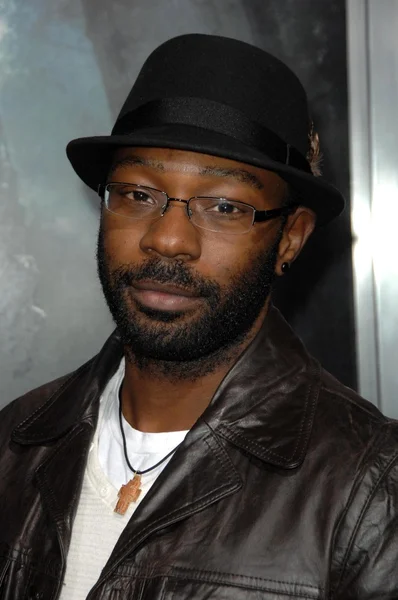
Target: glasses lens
{"x": 221, "y": 215}
{"x": 133, "y": 201}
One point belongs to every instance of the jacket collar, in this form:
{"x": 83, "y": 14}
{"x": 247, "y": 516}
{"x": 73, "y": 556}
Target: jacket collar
{"x": 265, "y": 404}
{"x": 73, "y": 401}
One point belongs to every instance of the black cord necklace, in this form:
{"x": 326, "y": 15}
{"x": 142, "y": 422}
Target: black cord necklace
{"x": 131, "y": 491}
{"x": 136, "y": 471}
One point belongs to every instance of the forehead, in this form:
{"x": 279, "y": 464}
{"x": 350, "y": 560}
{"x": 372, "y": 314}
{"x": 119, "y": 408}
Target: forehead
{"x": 166, "y": 160}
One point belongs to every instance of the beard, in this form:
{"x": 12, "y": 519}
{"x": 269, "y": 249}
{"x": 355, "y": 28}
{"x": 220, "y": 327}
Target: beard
{"x": 177, "y": 344}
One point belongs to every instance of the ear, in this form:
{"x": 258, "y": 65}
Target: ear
{"x": 297, "y": 230}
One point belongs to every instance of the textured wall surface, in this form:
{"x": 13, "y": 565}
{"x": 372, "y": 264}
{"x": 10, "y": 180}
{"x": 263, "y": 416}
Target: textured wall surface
{"x": 65, "y": 68}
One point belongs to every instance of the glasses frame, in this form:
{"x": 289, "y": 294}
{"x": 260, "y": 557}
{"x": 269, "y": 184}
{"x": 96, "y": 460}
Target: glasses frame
{"x": 259, "y": 216}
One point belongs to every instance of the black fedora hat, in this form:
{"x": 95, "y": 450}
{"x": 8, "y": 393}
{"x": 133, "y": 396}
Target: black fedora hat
{"x": 216, "y": 96}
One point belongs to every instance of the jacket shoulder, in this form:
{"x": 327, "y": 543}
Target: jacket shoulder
{"x": 351, "y": 431}
{"x": 365, "y": 544}
{"x": 360, "y": 451}
{"x": 25, "y": 406}
{"x": 346, "y": 402}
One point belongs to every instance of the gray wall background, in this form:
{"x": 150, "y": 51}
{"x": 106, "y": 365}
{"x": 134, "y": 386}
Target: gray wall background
{"x": 65, "y": 68}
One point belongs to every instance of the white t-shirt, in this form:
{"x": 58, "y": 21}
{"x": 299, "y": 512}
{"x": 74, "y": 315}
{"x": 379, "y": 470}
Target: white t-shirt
{"x": 97, "y": 527}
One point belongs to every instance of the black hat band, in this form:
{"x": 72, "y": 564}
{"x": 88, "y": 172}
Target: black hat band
{"x": 215, "y": 117}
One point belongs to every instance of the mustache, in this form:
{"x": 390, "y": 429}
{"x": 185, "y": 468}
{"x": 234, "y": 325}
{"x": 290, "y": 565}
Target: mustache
{"x": 175, "y": 273}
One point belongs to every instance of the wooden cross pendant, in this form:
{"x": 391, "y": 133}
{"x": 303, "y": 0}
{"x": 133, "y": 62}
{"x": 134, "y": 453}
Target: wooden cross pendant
{"x": 128, "y": 493}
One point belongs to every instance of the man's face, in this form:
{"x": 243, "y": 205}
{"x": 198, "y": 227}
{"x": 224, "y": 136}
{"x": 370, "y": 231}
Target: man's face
{"x": 178, "y": 292}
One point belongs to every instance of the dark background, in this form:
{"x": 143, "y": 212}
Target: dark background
{"x": 66, "y": 69}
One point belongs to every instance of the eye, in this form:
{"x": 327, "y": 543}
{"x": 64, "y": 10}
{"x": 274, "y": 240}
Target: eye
{"x": 139, "y": 196}
{"x": 227, "y": 208}
{"x": 224, "y": 207}
{"x": 136, "y": 195}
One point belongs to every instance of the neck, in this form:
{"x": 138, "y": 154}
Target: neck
{"x": 164, "y": 396}
{"x": 157, "y": 403}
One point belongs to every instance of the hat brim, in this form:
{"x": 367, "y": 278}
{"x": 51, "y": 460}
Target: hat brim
{"x": 92, "y": 157}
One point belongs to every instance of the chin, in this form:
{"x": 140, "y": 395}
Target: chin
{"x": 163, "y": 316}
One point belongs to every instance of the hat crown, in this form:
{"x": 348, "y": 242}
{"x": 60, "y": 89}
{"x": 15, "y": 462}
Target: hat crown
{"x": 216, "y": 96}
{"x": 229, "y": 72}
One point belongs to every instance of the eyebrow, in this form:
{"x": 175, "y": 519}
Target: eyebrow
{"x": 134, "y": 160}
{"x": 241, "y": 175}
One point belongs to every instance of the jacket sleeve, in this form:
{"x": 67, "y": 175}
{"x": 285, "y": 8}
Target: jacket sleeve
{"x": 365, "y": 557}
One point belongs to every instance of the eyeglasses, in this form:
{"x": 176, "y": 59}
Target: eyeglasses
{"x": 219, "y": 215}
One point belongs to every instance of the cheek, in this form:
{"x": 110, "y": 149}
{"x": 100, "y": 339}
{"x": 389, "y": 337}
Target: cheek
{"x": 121, "y": 243}
{"x": 225, "y": 256}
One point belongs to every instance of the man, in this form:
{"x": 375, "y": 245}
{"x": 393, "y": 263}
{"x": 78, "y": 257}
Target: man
{"x": 202, "y": 453}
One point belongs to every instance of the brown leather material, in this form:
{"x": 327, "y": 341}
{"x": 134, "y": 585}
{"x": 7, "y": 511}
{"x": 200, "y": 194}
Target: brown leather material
{"x": 286, "y": 487}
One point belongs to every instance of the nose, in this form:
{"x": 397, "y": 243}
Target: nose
{"x": 172, "y": 235}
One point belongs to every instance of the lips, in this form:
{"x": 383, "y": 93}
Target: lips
{"x": 164, "y": 288}
{"x": 163, "y": 296}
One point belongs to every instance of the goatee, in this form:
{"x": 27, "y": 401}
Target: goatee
{"x": 174, "y": 344}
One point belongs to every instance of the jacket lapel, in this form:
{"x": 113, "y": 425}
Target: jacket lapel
{"x": 62, "y": 429}
{"x": 200, "y": 474}
{"x": 59, "y": 478}
{"x": 267, "y": 401}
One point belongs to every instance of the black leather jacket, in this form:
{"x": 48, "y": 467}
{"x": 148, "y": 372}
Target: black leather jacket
{"x": 286, "y": 487}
